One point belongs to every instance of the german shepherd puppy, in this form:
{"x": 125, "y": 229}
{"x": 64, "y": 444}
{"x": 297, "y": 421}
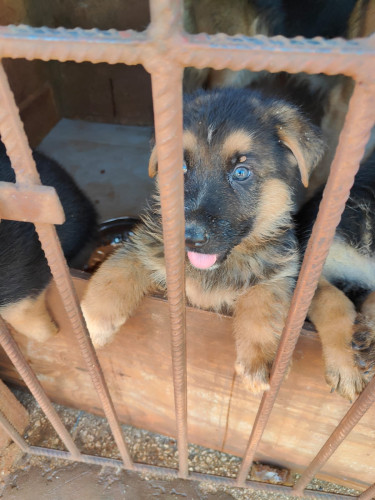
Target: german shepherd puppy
{"x": 246, "y": 158}
{"x": 348, "y": 280}
{"x": 24, "y": 273}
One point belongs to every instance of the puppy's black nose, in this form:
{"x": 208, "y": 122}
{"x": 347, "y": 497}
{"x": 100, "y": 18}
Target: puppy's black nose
{"x": 195, "y": 236}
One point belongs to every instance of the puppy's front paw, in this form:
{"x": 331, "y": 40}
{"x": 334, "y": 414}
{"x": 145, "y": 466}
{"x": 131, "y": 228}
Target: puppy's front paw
{"x": 254, "y": 377}
{"x": 345, "y": 378}
{"x": 363, "y": 344}
{"x": 102, "y": 323}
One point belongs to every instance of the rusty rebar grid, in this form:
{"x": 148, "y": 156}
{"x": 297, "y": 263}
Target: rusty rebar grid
{"x": 167, "y": 100}
{"x": 15, "y": 140}
{"x": 13, "y": 433}
{"x": 160, "y": 45}
{"x": 17, "y": 358}
{"x": 352, "y": 143}
{"x": 354, "y": 58}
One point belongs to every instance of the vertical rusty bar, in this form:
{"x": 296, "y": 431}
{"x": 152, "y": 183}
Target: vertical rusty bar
{"x": 15, "y": 355}
{"x": 167, "y": 97}
{"x": 13, "y": 135}
{"x": 352, "y": 143}
{"x": 167, "y": 100}
{"x": 13, "y": 433}
{"x": 15, "y": 140}
{"x": 368, "y": 494}
{"x": 352, "y": 417}
{"x": 56, "y": 261}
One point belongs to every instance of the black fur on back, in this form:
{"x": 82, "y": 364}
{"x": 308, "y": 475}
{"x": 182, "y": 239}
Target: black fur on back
{"x": 23, "y": 268}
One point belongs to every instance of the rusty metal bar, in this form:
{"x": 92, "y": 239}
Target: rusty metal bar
{"x": 167, "y": 473}
{"x": 352, "y": 143}
{"x": 15, "y": 355}
{"x": 368, "y": 494}
{"x": 352, "y": 417}
{"x": 56, "y": 261}
{"x": 32, "y": 204}
{"x": 167, "y": 99}
{"x": 13, "y": 433}
{"x": 354, "y": 58}
{"x": 275, "y": 54}
{"x": 14, "y": 138}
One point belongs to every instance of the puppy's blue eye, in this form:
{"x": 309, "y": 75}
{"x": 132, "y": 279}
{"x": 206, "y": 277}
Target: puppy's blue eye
{"x": 241, "y": 173}
{"x": 184, "y": 168}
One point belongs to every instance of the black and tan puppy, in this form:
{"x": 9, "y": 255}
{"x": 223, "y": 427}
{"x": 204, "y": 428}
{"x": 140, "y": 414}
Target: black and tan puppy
{"x": 347, "y": 283}
{"x": 246, "y": 158}
{"x": 24, "y": 273}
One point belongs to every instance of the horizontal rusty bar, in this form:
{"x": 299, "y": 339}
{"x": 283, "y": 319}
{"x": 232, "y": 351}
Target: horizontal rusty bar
{"x": 30, "y": 204}
{"x": 13, "y": 433}
{"x": 166, "y": 473}
{"x": 354, "y": 58}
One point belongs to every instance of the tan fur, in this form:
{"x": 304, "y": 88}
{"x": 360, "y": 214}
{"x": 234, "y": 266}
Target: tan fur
{"x": 275, "y": 200}
{"x": 368, "y": 306}
{"x": 292, "y": 143}
{"x": 333, "y": 315}
{"x": 259, "y": 317}
{"x": 112, "y": 295}
{"x": 237, "y": 142}
{"x": 190, "y": 144}
{"x": 30, "y": 317}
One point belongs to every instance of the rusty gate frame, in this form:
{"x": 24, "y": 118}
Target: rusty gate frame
{"x": 164, "y": 49}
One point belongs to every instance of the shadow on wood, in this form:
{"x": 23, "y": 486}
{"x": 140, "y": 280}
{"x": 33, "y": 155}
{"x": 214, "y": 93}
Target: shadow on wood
{"x": 137, "y": 367}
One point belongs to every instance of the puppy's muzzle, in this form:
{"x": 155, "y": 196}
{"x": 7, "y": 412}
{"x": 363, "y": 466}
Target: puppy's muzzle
{"x": 195, "y": 236}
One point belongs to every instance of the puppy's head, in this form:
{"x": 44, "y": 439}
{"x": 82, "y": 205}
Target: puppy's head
{"x": 244, "y": 156}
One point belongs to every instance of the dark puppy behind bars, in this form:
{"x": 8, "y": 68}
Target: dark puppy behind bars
{"x": 246, "y": 158}
{"x": 348, "y": 280}
{"x": 24, "y": 273}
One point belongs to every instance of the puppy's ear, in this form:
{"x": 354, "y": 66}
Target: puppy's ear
{"x": 302, "y": 138}
{"x": 153, "y": 163}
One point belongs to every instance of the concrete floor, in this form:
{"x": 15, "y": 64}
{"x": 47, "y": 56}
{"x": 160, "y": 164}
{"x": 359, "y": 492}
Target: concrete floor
{"x": 109, "y": 162}
{"x": 85, "y": 482}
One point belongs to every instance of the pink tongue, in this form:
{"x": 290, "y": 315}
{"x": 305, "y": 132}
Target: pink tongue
{"x": 202, "y": 260}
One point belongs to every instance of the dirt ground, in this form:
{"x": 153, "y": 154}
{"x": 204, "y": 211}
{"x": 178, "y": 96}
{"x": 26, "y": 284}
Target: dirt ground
{"x": 35, "y": 478}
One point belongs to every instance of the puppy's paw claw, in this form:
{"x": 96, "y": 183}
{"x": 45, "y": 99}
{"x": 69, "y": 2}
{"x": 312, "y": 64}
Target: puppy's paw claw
{"x": 347, "y": 381}
{"x": 255, "y": 380}
{"x": 102, "y": 328}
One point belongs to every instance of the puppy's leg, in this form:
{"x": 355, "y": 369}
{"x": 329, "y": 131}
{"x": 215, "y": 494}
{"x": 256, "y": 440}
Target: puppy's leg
{"x": 113, "y": 293}
{"x": 364, "y": 337}
{"x": 333, "y": 315}
{"x": 259, "y": 318}
{"x": 30, "y": 317}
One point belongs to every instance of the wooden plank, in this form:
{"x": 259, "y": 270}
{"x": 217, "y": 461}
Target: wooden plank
{"x": 137, "y": 367}
{"x": 14, "y": 412}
